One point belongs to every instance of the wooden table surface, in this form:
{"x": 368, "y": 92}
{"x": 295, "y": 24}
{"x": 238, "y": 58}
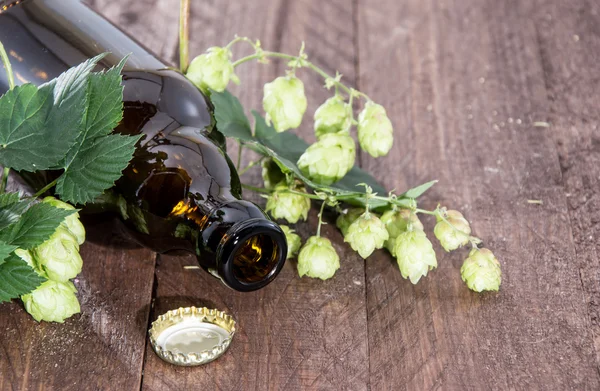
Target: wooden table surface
{"x": 466, "y": 84}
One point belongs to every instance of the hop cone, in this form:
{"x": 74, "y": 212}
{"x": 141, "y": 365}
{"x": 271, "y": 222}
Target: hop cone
{"x": 52, "y": 301}
{"x": 58, "y": 257}
{"x": 329, "y": 159}
{"x": 481, "y": 271}
{"x": 366, "y": 234}
{"x": 282, "y": 204}
{"x": 415, "y": 255}
{"x": 212, "y": 69}
{"x": 284, "y": 102}
{"x": 449, "y": 237}
{"x": 333, "y": 116}
{"x": 318, "y": 259}
{"x": 375, "y": 131}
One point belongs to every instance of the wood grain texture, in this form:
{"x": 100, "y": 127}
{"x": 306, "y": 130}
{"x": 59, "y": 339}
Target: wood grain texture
{"x": 569, "y": 39}
{"x": 101, "y": 348}
{"x": 295, "y": 333}
{"x": 464, "y": 82}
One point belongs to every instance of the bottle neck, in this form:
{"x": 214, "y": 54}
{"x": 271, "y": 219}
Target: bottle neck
{"x": 238, "y": 242}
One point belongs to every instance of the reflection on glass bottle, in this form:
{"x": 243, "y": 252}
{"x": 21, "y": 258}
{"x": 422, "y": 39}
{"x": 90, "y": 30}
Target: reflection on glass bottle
{"x": 180, "y": 191}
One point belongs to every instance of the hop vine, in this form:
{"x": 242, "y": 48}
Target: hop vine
{"x": 388, "y": 222}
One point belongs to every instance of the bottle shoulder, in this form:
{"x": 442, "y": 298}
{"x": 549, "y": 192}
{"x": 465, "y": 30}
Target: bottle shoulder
{"x": 169, "y": 93}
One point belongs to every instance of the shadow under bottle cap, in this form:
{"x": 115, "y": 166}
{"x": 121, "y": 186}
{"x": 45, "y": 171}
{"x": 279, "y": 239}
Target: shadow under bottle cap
{"x": 191, "y": 336}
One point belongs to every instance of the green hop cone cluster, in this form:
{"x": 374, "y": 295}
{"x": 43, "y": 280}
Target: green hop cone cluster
{"x": 318, "y": 259}
{"x": 58, "y": 260}
{"x": 284, "y": 102}
{"x": 282, "y": 204}
{"x": 415, "y": 255}
{"x": 329, "y": 159}
{"x": 481, "y": 271}
{"x": 53, "y": 301}
{"x": 333, "y": 116}
{"x": 212, "y": 69}
{"x": 397, "y": 222}
{"x": 375, "y": 131}
{"x": 293, "y": 241}
{"x": 348, "y": 217}
{"x": 454, "y": 231}
{"x": 366, "y": 234}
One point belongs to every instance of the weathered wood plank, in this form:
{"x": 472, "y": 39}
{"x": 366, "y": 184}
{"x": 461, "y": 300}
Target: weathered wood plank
{"x": 569, "y": 38}
{"x": 293, "y": 334}
{"x": 103, "y": 347}
{"x": 464, "y": 83}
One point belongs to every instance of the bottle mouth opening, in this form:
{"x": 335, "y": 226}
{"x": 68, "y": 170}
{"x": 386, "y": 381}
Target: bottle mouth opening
{"x": 252, "y": 254}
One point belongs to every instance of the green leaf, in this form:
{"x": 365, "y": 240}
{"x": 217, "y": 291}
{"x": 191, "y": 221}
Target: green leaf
{"x": 39, "y": 125}
{"x": 285, "y": 144}
{"x": 35, "y": 226}
{"x": 96, "y": 168}
{"x": 7, "y": 199}
{"x": 416, "y": 192}
{"x": 17, "y": 278}
{"x": 104, "y": 109}
{"x": 230, "y": 117}
{"x": 5, "y": 250}
{"x": 70, "y": 92}
{"x": 97, "y": 158}
{"x": 11, "y": 212}
{"x": 25, "y": 140}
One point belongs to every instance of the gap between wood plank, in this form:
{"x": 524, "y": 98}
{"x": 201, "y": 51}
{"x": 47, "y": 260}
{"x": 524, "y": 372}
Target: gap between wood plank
{"x": 149, "y": 322}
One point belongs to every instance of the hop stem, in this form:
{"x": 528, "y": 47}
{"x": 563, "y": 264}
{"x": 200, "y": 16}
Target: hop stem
{"x": 46, "y": 188}
{"x": 250, "y": 165}
{"x": 300, "y": 60}
{"x": 320, "y": 219}
{"x": 4, "y": 180}
{"x": 11, "y": 85}
{"x": 184, "y": 34}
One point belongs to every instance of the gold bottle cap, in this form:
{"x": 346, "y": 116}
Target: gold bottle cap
{"x": 191, "y": 336}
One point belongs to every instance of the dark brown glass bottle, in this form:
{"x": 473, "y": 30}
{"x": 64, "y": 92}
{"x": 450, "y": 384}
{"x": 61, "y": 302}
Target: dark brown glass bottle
{"x": 180, "y": 191}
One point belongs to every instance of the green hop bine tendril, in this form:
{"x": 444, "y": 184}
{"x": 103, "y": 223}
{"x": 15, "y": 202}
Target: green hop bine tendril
{"x": 366, "y": 234}
{"x": 481, "y": 271}
{"x": 333, "y": 116}
{"x": 415, "y": 255}
{"x": 348, "y": 217}
{"x": 212, "y": 69}
{"x": 454, "y": 232}
{"x": 52, "y": 301}
{"x": 58, "y": 258}
{"x": 71, "y": 222}
{"x": 329, "y": 159}
{"x": 318, "y": 259}
{"x": 375, "y": 131}
{"x": 397, "y": 222}
{"x": 282, "y": 204}
{"x": 284, "y": 102}
{"x": 293, "y": 241}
